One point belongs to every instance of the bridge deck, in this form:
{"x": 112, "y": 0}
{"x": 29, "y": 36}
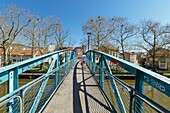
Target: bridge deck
{"x": 79, "y": 93}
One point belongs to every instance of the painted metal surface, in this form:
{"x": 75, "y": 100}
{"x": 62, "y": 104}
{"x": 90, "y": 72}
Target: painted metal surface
{"x": 94, "y": 62}
{"x": 115, "y": 89}
{"x": 24, "y": 65}
{"x": 42, "y": 87}
{"x": 142, "y": 75}
{"x": 102, "y": 72}
{"x": 10, "y": 73}
{"x": 139, "y": 86}
{"x": 157, "y": 81}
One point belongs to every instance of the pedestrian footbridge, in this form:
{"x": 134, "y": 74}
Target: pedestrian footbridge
{"x": 69, "y": 87}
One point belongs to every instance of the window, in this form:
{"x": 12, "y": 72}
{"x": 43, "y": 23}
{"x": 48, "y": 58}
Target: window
{"x": 162, "y": 61}
{"x": 162, "y": 64}
{"x": 14, "y": 60}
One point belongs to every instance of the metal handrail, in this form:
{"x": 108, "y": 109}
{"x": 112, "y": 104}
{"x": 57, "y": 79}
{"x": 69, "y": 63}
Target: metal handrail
{"x": 28, "y": 86}
{"x": 21, "y": 91}
{"x": 147, "y": 100}
{"x": 12, "y": 66}
{"x": 134, "y": 93}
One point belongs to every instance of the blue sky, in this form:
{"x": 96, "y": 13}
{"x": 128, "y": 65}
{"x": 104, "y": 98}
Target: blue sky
{"x": 74, "y": 13}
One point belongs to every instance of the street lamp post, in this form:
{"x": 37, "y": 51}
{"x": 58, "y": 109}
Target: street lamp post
{"x": 88, "y": 34}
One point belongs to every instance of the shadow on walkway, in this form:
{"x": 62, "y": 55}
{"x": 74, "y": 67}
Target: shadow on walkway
{"x": 82, "y": 87}
{"x": 76, "y": 87}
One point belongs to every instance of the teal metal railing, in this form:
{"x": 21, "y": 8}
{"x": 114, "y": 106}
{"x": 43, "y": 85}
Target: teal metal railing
{"x": 122, "y": 97}
{"x": 34, "y": 96}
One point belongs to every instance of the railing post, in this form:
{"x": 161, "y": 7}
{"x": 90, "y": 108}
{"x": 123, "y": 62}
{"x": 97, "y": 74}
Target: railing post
{"x": 13, "y": 85}
{"x": 66, "y": 56}
{"x": 70, "y": 55}
{"x": 94, "y": 62}
{"x": 60, "y": 59}
{"x": 13, "y": 80}
{"x": 66, "y": 60}
{"x": 102, "y": 72}
{"x": 131, "y": 101}
{"x": 90, "y": 56}
{"x": 139, "y": 86}
{"x": 22, "y": 97}
{"x": 90, "y": 59}
{"x": 56, "y": 73}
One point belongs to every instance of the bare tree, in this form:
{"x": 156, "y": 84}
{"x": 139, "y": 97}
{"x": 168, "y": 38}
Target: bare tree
{"x": 123, "y": 33}
{"x": 16, "y": 44}
{"x": 46, "y": 32}
{"x": 100, "y": 29}
{"x": 83, "y": 41}
{"x": 12, "y": 22}
{"x": 60, "y": 34}
{"x": 108, "y": 47}
{"x": 153, "y": 37}
{"x": 70, "y": 42}
{"x": 31, "y": 33}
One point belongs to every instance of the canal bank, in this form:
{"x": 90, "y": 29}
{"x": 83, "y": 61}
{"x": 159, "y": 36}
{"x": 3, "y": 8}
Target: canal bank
{"x": 30, "y": 75}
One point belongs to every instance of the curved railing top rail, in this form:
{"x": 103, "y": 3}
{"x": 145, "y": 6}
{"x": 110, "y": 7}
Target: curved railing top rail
{"x": 25, "y": 65}
{"x": 35, "y": 95}
{"x": 9, "y": 67}
{"x": 4, "y": 71}
{"x": 156, "y": 80}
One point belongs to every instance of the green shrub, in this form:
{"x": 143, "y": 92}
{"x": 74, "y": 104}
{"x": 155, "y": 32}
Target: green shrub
{"x": 118, "y": 71}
